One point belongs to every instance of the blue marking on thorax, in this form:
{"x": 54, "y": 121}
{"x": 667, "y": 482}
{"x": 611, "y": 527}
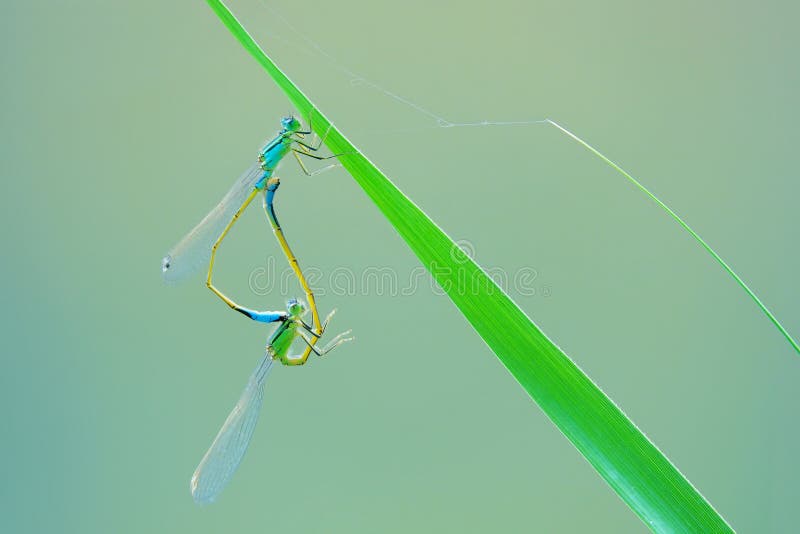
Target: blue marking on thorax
{"x": 271, "y": 155}
{"x": 274, "y": 151}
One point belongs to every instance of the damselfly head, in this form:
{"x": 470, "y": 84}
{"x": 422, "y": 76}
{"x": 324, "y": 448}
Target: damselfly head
{"x": 290, "y": 124}
{"x": 296, "y": 307}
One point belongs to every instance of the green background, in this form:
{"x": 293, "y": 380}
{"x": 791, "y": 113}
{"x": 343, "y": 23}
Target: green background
{"x": 123, "y": 123}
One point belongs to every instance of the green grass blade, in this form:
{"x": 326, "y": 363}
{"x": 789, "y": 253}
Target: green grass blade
{"x": 637, "y": 471}
{"x": 691, "y": 232}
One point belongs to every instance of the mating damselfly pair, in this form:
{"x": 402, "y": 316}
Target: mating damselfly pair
{"x": 200, "y": 246}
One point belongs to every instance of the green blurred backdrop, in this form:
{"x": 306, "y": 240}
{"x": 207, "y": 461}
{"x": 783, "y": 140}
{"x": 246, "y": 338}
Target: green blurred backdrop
{"x": 122, "y": 123}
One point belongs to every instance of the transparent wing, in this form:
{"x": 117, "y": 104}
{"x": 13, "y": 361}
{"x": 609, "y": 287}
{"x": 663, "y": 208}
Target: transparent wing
{"x": 194, "y": 250}
{"x": 227, "y": 450}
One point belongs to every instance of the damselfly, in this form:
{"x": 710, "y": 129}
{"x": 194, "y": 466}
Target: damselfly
{"x": 194, "y": 250}
{"x": 227, "y": 450}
